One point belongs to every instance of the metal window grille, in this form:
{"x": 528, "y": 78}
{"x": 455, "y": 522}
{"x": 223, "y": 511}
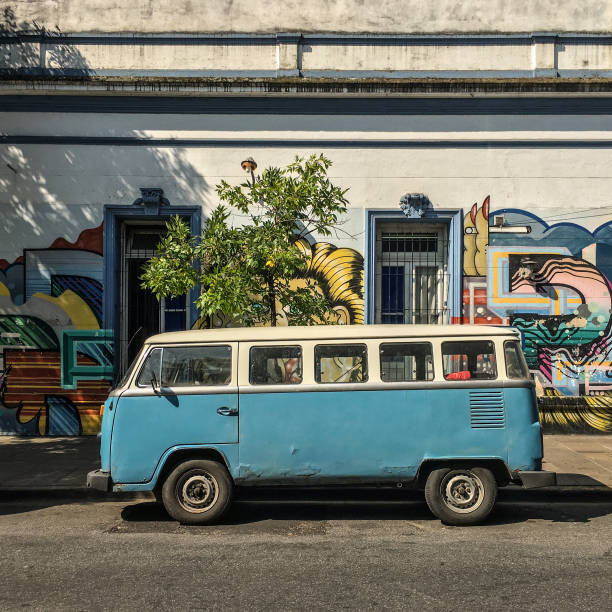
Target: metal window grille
{"x": 411, "y": 281}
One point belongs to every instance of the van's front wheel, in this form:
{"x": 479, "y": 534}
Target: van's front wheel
{"x": 460, "y": 496}
{"x": 197, "y": 492}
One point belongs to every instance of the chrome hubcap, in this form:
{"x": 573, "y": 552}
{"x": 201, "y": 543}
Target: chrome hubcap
{"x": 197, "y": 491}
{"x": 462, "y": 491}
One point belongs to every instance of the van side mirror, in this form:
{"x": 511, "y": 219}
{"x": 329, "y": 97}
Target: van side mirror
{"x": 155, "y": 384}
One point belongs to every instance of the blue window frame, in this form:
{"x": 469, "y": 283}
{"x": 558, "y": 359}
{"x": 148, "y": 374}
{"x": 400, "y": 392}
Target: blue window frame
{"x": 453, "y": 219}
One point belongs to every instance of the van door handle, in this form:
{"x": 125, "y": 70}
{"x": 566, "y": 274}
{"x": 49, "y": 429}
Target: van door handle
{"x": 225, "y": 411}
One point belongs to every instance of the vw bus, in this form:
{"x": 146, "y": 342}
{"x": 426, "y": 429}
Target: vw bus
{"x": 450, "y": 409}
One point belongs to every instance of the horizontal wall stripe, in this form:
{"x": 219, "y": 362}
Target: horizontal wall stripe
{"x": 51, "y": 38}
{"x": 153, "y": 73}
{"x": 177, "y": 73}
{"x": 131, "y": 40}
{"x": 424, "y": 74}
{"x": 308, "y": 105}
{"x": 319, "y": 74}
{"x": 111, "y": 141}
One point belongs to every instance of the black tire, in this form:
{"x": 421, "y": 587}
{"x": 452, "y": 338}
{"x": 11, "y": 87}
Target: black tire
{"x": 197, "y": 492}
{"x": 461, "y": 496}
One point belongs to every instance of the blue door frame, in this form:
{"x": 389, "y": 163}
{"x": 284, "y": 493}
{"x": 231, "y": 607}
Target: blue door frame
{"x": 453, "y": 218}
{"x": 114, "y": 216}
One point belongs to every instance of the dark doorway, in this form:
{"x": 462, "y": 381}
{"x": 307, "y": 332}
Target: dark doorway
{"x": 140, "y": 310}
{"x": 131, "y": 235}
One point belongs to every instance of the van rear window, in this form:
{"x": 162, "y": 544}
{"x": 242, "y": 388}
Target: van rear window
{"x": 469, "y": 359}
{"x": 341, "y": 363}
{"x": 275, "y": 365}
{"x": 516, "y": 367}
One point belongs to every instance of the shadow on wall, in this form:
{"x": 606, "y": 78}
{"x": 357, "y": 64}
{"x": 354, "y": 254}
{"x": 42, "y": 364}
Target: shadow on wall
{"x": 34, "y": 50}
{"x": 52, "y": 200}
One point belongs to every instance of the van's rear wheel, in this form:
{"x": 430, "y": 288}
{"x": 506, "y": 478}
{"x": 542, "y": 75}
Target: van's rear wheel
{"x": 461, "y": 496}
{"x": 197, "y": 492}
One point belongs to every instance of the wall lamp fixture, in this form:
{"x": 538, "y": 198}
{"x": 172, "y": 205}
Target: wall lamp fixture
{"x": 249, "y": 165}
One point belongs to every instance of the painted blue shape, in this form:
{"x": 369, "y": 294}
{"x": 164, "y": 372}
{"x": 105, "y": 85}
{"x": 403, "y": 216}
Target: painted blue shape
{"x": 12, "y": 278}
{"x": 62, "y": 417}
{"x": 89, "y": 289}
{"x": 42, "y": 264}
{"x": 71, "y": 370}
{"x": 101, "y": 352}
{"x": 392, "y": 298}
{"x": 572, "y": 236}
{"x": 175, "y": 313}
{"x": 10, "y": 425}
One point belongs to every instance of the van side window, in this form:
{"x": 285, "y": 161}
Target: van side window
{"x": 275, "y": 365}
{"x": 341, "y": 363}
{"x": 188, "y": 366}
{"x": 516, "y": 367}
{"x": 151, "y": 366}
{"x": 464, "y": 360}
{"x": 406, "y": 361}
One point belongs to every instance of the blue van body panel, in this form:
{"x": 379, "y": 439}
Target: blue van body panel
{"x": 228, "y": 451}
{"x": 147, "y": 427}
{"x": 361, "y": 435}
{"x": 333, "y": 436}
{"x": 525, "y": 449}
{"x": 106, "y": 431}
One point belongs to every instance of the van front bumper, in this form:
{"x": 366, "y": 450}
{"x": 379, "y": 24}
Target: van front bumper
{"x": 97, "y": 479}
{"x": 536, "y": 479}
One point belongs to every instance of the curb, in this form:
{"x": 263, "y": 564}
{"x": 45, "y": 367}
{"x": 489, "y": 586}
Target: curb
{"x": 557, "y": 494}
{"x": 71, "y": 493}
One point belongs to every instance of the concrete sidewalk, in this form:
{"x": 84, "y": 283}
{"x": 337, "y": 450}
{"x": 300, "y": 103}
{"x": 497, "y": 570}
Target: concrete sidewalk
{"x": 60, "y": 465}
{"x": 579, "y": 460}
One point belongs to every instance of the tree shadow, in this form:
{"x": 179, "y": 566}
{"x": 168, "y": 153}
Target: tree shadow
{"x": 59, "y": 189}
{"x": 35, "y": 50}
{"x": 49, "y": 190}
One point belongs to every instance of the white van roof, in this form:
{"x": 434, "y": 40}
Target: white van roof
{"x": 330, "y": 332}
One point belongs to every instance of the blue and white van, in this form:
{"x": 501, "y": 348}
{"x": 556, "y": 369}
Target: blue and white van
{"x": 448, "y": 408}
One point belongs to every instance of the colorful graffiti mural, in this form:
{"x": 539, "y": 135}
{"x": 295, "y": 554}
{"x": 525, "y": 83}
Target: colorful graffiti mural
{"x": 52, "y": 383}
{"x": 552, "y": 283}
{"x": 338, "y": 274}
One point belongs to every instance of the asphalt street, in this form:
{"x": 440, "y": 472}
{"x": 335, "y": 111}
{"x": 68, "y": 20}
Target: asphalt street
{"x": 325, "y": 551}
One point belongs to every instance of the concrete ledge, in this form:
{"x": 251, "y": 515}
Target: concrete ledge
{"x": 561, "y": 494}
{"x": 70, "y": 493}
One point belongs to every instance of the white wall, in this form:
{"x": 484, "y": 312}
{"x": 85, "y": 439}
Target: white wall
{"x": 389, "y": 16}
{"x": 58, "y": 190}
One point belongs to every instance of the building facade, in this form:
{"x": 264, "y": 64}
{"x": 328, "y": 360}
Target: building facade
{"x": 475, "y": 141}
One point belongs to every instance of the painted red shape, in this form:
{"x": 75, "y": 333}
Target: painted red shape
{"x": 88, "y": 240}
{"x": 485, "y": 207}
{"x": 4, "y": 264}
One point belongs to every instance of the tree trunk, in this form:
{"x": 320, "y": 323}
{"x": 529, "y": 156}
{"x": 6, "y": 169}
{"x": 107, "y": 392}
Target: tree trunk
{"x": 271, "y": 300}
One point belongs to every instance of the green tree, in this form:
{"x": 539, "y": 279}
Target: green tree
{"x": 246, "y": 271}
